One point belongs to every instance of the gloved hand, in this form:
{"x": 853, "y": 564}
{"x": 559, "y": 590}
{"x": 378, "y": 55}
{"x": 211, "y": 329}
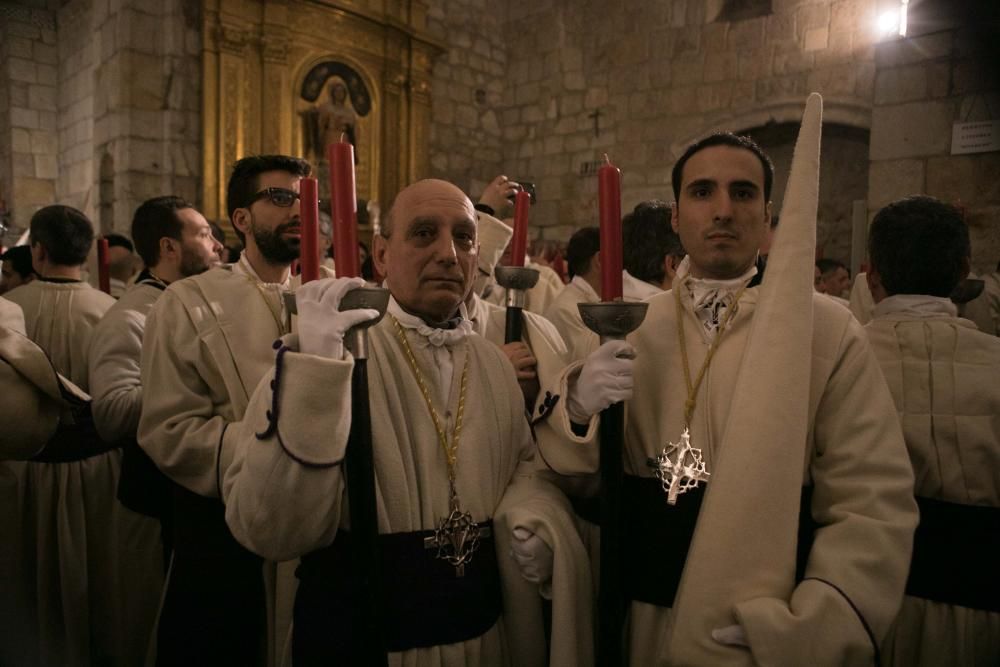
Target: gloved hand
{"x": 606, "y": 378}
{"x": 731, "y": 635}
{"x": 532, "y": 555}
{"x": 321, "y": 325}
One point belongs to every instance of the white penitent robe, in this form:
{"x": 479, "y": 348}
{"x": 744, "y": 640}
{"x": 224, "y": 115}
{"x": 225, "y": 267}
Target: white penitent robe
{"x": 992, "y": 295}
{"x": 285, "y": 489}
{"x": 207, "y": 343}
{"x": 943, "y": 377}
{"x": 74, "y": 560}
{"x": 565, "y": 316}
{"x": 854, "y": 444}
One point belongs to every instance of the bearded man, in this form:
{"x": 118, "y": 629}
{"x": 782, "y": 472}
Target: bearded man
{"x": 207, "y": 344}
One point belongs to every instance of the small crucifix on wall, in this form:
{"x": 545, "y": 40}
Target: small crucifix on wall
{"x": 597, "y": 121}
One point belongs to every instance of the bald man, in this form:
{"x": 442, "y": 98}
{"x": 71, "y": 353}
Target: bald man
{"x": 450, "y": 439}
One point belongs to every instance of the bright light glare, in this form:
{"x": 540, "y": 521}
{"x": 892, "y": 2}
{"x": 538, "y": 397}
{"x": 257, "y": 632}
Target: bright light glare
{"x": 888, "y": 23}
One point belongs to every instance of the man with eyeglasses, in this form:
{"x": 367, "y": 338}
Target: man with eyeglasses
{"x": 207, "y": 344}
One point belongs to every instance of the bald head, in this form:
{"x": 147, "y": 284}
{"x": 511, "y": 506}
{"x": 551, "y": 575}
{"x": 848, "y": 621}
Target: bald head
{"x": 425, "y": 190}
{"x": 427, "y": 249}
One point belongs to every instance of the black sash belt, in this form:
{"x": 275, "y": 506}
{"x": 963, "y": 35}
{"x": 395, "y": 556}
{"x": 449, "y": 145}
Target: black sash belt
{"x": 956, "y": 550}
{"x": 657, "y": 537}
{"x": 74, "y": 442}
{"x": 424, "y": 605}
{"x": 141, "y": 486}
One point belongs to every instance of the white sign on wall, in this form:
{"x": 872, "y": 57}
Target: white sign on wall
{"x": 979, "y": 137}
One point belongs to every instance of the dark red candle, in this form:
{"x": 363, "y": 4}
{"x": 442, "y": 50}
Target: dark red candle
{"x": 103, "y": 270}
{"x": 309, "y": 214}
{"x": 609, "y": 193}
{"x": 519, "y": 244}
{"x": 345, "y": 208}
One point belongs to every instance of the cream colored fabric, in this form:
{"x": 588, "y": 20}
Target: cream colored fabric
{"x": 634, "y": 289}
{"x": 493, "y": 235}
{"x": 208, "y": 341}
{"x": 792, "y": 397}
{"x": 540, "y": 335}
{"x": 978, "y": 310}
{"x": 34, "y": 394}
{"x": 85, "y": 583}
{"x": 11, "y": 316}
{"x": 60, "y": 318}
{"x": 861, "y": 302}
{"x": 992, "y": 291}
{"x": 114, "y": 363}
{"x": 282, "y": 509}
{"x": 545, "y": 291}
{"x": 943, "y": 377}
{"x": 565, "y": 317}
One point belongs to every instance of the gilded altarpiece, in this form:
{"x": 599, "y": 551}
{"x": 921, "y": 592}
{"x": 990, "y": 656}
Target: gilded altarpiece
{"x": 279, "y": 76}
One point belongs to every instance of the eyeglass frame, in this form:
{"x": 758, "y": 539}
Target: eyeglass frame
{"x": 268, "y": 193}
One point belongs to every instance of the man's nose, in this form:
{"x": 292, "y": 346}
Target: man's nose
{"x": 445, "y": 250}
{"x": 723, "y": 206}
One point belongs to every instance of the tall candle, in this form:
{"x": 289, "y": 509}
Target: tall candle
{"x": 519, "y": 244}
{"x": 340, "y": 157}
{"x": 610, "y": 198}
{"x": 309, "y": 215}
{"x": 103, "y": 270}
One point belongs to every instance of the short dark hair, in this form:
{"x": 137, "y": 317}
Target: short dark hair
{"x": 919, "y": 245}
{"x": 64, "y": 232}
{"x": 119, "y": 241}
{"x": 154, "y": 219}
{"x": 826, "y": 265}
{"x": 647, "y": 238}
{"x": 582, "y": 247}
{"x": 244, "y": 183}
{"x": 724, "y": 139}
{"x": 19, "y": 258}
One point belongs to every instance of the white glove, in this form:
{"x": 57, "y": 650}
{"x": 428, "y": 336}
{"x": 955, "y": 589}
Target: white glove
{"x": 731, "y": 635}
{"x": 533, "y": 556}
{"x": 606, "y": 378}
{"x": 321, "y": 325}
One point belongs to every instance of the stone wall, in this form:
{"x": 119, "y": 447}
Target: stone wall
{"x": 661, "y": 75}
{"x": 467, "y": 144}
{"x": 28, "y": 80}
{"x": 924, "y": 85}
{"x": 79, "y": 53}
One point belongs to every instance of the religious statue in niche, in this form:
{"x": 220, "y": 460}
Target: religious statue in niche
{"x": 338, "y": 98}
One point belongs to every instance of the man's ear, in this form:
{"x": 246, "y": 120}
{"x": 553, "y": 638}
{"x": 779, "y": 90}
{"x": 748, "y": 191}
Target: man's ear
{"x": 380, "y": 247}
{"x": 241, "y": 220}
{"x": 673, "y": 217}
{"x": 768, "y": 211}
{"x": 670, "y": 264}
{"x": 169, "y": 248}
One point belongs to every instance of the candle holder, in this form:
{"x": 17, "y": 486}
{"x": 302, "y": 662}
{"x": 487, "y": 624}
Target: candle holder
{"x": 516, "y": 280}
{"x": 612, "y": 320}
{"x": 356, "y": 338}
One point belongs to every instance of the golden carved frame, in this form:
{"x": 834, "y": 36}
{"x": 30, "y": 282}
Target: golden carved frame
{"x": 256, "y": 54}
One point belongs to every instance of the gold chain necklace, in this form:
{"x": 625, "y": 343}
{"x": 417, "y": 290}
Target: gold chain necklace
{"x": 275, "y": 314}
{"x": 681, "y": 467}
{"x": 457, "y": 535}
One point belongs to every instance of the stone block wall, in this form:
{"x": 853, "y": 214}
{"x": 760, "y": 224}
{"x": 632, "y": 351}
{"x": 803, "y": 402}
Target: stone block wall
{"x": 79, "y": 53}
{"x": 28, "y": 111}
{"x": 923, "y": 85}
{"x": 468, "y": 88}
{"x": 660, "y": 75}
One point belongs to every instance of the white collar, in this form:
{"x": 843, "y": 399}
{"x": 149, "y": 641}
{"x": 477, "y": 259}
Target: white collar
{"x": 915, "y": 305}
{"x": 637, "y": 290}
{"x": 730, "y": 285}
{"x": 435, "y": 336}
{"x": 585, "y": 287}
{"x": 243, "y": 267}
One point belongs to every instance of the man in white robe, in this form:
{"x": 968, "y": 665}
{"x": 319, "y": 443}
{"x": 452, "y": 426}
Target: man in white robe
{"x": 992, "y": 295}
{"x": 584, "y": 267}
{"x": 433, "y": 386}
{"x": 208, "y": 341}
{"x": 65, "y": 525}
{"x": 791, "y": 418}
{"x": 174, "y": 241}
{"x": 651, "y": 251}
{"x": 943, "y": 375}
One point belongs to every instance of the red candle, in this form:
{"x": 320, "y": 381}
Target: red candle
{"x": 519, "y": 244}
{"x": 340, "y": 156}
{"x": 309, "y": 214}
{"x": 103, "y": 272}
{"x": 610, "y": 197}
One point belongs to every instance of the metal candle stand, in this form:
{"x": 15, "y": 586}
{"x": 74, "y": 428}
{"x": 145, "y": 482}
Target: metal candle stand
{"x": 516, "y": 280}
{"x": 611, "y": 320}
